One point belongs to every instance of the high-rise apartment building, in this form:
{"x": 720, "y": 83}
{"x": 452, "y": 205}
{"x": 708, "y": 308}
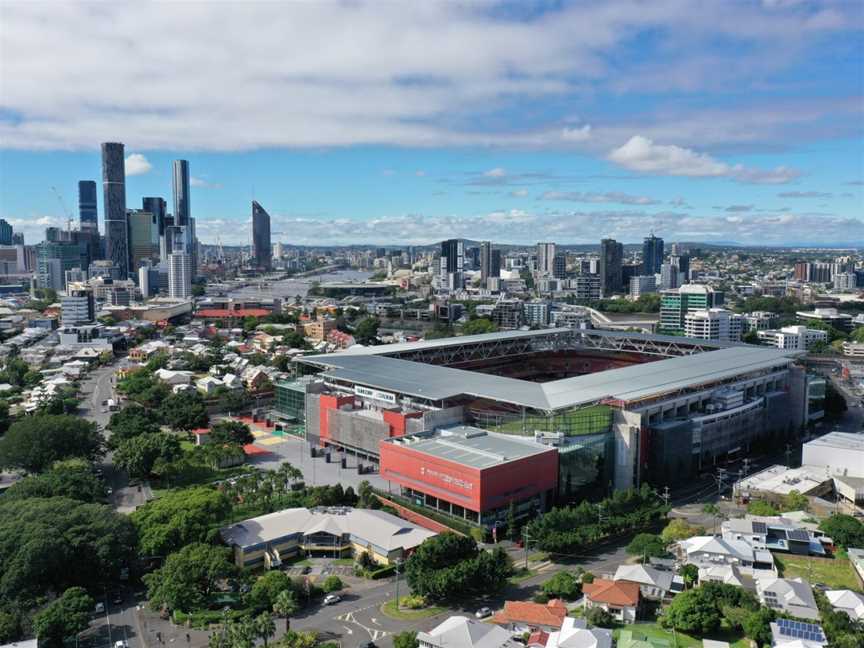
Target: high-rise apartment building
{"x": 714, "y": 324}
{"x": 610, "y": 267}
{"x": 158, "y": 207}
{"x": 642, "y": 285}
{"x": 77, "y": 307}
{"x": 677, "y": 303}
{"x": 652, "y": 255}
{"x": 262, "y": 250}
{"x": 559, "y": 266}
{"x": 670, "y": 277}
{"x": 88, "y": 215}
{"x": 545, "y": 259}
{"x": 179, "y": 267}
{"x": 5, "y": 232}
{"x": 143, "y": 238}
{"x": 490, "y": 262}
{"x": 452, "y": 264}
{"x": 114, "y": 202}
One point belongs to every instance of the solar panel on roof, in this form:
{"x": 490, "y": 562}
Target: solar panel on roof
{"x": 798, "y": 534}
{"x": 759, "y": 527}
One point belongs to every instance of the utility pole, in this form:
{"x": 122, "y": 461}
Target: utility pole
{"x": 666, "y": 495}
{"x": 525, "y": 545}
{"x": 788, "y": 455}
{"x": 721, "y": 475}
{"x": 746, "y": 465}
{"x": 398, "y": 566}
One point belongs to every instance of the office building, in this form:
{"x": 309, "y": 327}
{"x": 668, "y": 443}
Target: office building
{"x": 452, "y": 265}
{"x": 559, "y": 266}
{"x": 143, "y": 238}
{"x": 676, "y": 303}
{"x": 54, "y": 258}
{"x": 114, "y": 204}
{"x": 262, "y": 250}
{"x": 829, "y": 316}
{"x": 845, "y": 281}
{"x": 88, "y": 215}
{"x": 670, "y": 276}
{"x": 545, "y": 259}
{"x": 585, "y": 287}
{"x": 642, "y": 285}
{"x": 158, "y": 207}
{"x": 794, "y": 338}
{"x": 714, "y": 324}
{"x": 760, "y": 320}
{"x": 536, "y": 312}
{"x": 610, "y": 267}
{"x": 179, "y": 267}
{"x": 77, "y": 307}
{"x": 652, "y": 255}
{"x": 682, "y": 263}
{"x": 180, "y": 186}
{"x": 490, "y": 263}
{"x": 5, "y": 232}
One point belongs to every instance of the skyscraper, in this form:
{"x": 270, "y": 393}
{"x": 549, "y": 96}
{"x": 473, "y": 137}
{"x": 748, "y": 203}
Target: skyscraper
{"x": 490, "y": 262}
{"x": 545, "y": 259}
{"x": 157, "y": 206}
{"x": 179, "y": 266}
{"x": 652, "y": 255}
{"x": 611, "y": 259}
{"x": 5, "y": 232}
{"x": 452, "y": 264}
{"x": 87, "y": 213}
{"x": 114, "y": 201}
{"x": 143, "y": 238}
{"x": 262, "y": 251}
{"x": 181, "y": 192}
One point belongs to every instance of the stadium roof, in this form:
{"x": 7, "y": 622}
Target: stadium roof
{"x": 437, "y": 383}
{"x": 471, "y": 446}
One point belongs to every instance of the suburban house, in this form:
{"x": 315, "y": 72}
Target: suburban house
{"x": 575, "y": 633}
{"x": 791, "y": 596}
{"x": 704, "y": 551}
{"x": 654, "y": 584}
{"x": 846, "y": 601}
{"x": 729, "y": 574}
{"x": 776, "y": 534}
{"x": 619, "y": 598}
{"x": 525, "y": 616}
{"x": 786, "y": 633}
{"x": 462, "y": 632}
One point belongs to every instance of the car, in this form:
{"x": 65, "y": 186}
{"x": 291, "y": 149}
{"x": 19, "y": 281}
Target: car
{"x": 118, "y": 599}
{"x": 482, "y": 613}
{"x": 332, "y": 599}
{"x": 100, "y": 608}
{"x": 121, "y": 644}
{"x": 367, "y": 644}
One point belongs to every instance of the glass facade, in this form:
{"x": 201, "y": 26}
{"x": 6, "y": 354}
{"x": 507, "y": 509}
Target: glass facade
{"x": 593, "y": 419}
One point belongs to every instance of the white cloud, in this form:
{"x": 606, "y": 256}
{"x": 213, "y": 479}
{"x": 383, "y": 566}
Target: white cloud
{"x": 495, "y": 173}
{"x": 195, "y": 181}
{"x": 642, "y": 154}
{"x": 519, "y": 193}
{"x": 805, "y": 194}
{"x": 420, "y": 173}
{"x": 137, "y": 164}
{"x": 591, "y": 197}
{"x": 576, "y": 134}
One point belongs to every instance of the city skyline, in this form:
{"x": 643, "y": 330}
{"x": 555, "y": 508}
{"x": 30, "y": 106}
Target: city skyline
{"x": 739, "y": 123}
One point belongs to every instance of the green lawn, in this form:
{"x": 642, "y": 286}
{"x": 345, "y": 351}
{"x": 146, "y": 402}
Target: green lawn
{"x": 836, "y": 573}
{"x": 679, "y": 639}
{"x": 389, "y": 608}
{"x": 521, "y": 574}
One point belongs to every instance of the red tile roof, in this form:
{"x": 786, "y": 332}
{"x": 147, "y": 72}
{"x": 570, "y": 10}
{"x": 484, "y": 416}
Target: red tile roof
{"x": 620, "y": 593}
{"x": 538, "y": 638}
{"x": 224, "y": 313}
{"x": 532, "y": 614}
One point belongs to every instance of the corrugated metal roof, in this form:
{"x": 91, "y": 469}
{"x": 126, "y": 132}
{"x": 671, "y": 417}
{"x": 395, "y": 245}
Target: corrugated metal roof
{"x": 636, "y": 382}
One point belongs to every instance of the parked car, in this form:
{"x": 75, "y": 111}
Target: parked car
{"x": 332, "y": 599}
{"x": 100, "y": 608}
{"x": 483, "y": 612}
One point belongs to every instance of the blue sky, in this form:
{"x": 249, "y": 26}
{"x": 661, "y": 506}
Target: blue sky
{"x": 408, "y": 123}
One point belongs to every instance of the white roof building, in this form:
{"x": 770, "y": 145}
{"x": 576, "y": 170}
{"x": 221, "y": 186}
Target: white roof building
{"x": 852, "y": 603}
{"x": 790, "y": 595}
{"x": 575, "y": 633}
{"x": 462, "y": 632}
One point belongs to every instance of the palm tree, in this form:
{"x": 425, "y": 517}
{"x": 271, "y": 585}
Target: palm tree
{"x": 242, "y": 634}
{"x": 286, "y": 606}
{"x": 264, "y": 626}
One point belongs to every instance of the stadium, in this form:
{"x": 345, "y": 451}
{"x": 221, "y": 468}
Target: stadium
{"x": 617, "y": 408}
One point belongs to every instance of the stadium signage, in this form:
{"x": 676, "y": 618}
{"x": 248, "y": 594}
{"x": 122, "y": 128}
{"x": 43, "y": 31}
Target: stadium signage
{"x": 367, "y": 392}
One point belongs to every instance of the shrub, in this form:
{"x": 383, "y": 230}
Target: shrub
{"x": 332, "y": 584}
{"x": 412, "y": 602}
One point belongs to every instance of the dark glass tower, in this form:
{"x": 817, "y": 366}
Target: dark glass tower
{"x": 114, "y": 201}
{"x": 611, "y": 267}
{"x": 87, "y": 213}
{"x": 652, "y": 255}
{"x": 158, "y": 207}
{"x": 262, "y": 251}
{"x": 181, "y": 199}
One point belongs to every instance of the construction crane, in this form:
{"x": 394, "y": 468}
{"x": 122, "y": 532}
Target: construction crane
{"x": 66, "y": 212}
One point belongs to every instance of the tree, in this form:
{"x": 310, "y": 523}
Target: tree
{"x": 178, "y": 518}
{"x": 231, "y": 432}
{"x": 599, "y": 617}
{"x": 679, "y": 529}
{"x": 478, "y": 326}
{"x": 693, "y": 613}
{"x": 286, "y": 606}
{"x": 35, "y": 442}
{"x": 293, "y": 639}
{"x": 690, "y": 574}
{"x": 795, "y": 501}
{"x": 266, "y": 589}
{"x": 72, "y": 478}
{"x": 332, "y": 584}
{"x": 563, "y": 585}
{"x": 50, "y": 545}
{"x": 406, "y": 639}
{"x": 512, "y": 528}
{"x": 447, "y": 566}
{"x": 366, "y": 331}
{"x": 184, "y": 411}
{"x": 647, "y": 545}
{"x": 366, "y": 496}
{"x": 761, "y": 507}
{"x": 130, "y": 422}
{"x": 64, "y": 617}
{"x": 845, "y": 530}
{"x": 138, "y": 455}
{"x": 264, "y": 627}
{"x": 750, "y": 337}
{"x": 188, "y": 577}
{"x": 4, "y": 417}
{"x": 757, "y": 625}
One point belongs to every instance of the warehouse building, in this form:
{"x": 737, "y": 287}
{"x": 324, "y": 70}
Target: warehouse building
{"x": 334, "y": 532}
{"x": 620, "y": 408}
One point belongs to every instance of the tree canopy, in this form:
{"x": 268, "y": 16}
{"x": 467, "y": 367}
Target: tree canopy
{"x": 179, "y": 517}
{"x": 139, "y": 454}
{"x": 184, "y": 411}
{"x": 35, "y": 442}
{"x": 189, "y": 576}
{"x": 366, "y": 331}
{"x": 845, "y": 530}
{"x": 72, "y": 478}
{"x": 49, "y": 545}
{"x": 449, "y": 566}
{"x": 130, "y": 422}
{"x": 647, "y": 545}
{"x": 231, "y": 432}
{"x": 64, "y": 617}
{"x": 700, "y": 611}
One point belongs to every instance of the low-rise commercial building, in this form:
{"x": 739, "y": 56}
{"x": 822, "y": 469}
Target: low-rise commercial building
{"x": 335, "y": 532}
{"x": 714, "y": 324}
{"x": 795, "y": 338}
